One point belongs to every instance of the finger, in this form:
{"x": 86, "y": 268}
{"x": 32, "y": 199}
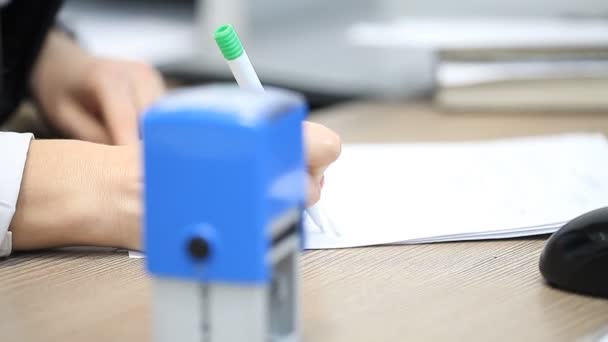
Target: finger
{"x": 148, "y": 85}
{"x": 315, "y": 187}
{"x": 323, "y": 146}
{"x": 119, "y": 109}
{"x": 76, "y": 123}
{"x": 314, "y": 191}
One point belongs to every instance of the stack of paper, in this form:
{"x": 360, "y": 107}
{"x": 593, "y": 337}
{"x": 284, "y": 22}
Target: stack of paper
{"x": 505, "y": 64}
{"x": 420, "y": 193}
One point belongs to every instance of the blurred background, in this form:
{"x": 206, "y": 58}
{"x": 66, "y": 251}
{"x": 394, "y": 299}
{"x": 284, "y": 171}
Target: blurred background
{"x": 461, "y": 55}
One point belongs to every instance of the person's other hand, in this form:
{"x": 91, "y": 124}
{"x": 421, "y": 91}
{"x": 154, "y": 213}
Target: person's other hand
{"x": 91, "y": 98}
{"x": 323, "y": 147}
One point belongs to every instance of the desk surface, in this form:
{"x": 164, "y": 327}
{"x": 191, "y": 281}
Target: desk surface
{"x": 489, "y": 290}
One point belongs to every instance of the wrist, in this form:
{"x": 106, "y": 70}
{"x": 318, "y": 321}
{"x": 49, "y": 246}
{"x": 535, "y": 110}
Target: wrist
{"x": 122, "y": 207}
{"x": 60, "y": 196}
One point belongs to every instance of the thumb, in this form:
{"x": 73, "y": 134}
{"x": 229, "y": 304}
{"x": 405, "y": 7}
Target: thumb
{"x": 323, "y": 147}
{"x": 120, "y": 112}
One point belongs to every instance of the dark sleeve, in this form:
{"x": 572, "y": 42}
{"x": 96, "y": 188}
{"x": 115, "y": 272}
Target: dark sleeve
{"x": 24, "y": 25}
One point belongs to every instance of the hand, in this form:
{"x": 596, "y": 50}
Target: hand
{"x": 90, "y": 98}
{"x": 76, "y": 193}
{"x": 323, "y": 148}
{"x": 81, "y": 193}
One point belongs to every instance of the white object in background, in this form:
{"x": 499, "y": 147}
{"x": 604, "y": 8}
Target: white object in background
{"x": 154, "y": 34}
{"x": 484, "y": 33}
{"x": 421, "y": 193}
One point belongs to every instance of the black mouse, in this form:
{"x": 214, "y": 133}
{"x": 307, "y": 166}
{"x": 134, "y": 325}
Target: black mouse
{"x": 575, "y": 257}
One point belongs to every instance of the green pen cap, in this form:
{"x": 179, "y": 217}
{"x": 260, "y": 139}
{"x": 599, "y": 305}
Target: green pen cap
{"x": 228, "y": 42}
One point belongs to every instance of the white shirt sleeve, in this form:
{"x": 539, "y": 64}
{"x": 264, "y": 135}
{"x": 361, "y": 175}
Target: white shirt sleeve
{"x": 13, "y": 153}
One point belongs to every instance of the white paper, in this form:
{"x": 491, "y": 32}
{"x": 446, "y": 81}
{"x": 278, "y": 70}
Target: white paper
{"x": 415, "y": 193}
{"x": 136, "y": 255}
{"x": 432, "y": 192}
{"x": 479, "y": 32}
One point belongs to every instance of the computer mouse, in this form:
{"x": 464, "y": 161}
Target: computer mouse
{"x": 575, "y": 258}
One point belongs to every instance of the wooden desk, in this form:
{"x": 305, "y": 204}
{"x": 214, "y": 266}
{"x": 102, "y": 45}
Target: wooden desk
{"x": 487, "y": 291}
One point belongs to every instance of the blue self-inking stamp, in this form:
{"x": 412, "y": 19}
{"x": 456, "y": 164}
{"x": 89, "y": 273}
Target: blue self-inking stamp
{"x": 225, "y": 186}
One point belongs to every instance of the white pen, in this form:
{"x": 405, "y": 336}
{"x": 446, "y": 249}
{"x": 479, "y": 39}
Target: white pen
{"x": 238, "y": 61}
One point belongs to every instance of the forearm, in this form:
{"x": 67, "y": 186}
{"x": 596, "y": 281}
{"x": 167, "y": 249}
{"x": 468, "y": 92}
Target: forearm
{"x": 66, "y": 194}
